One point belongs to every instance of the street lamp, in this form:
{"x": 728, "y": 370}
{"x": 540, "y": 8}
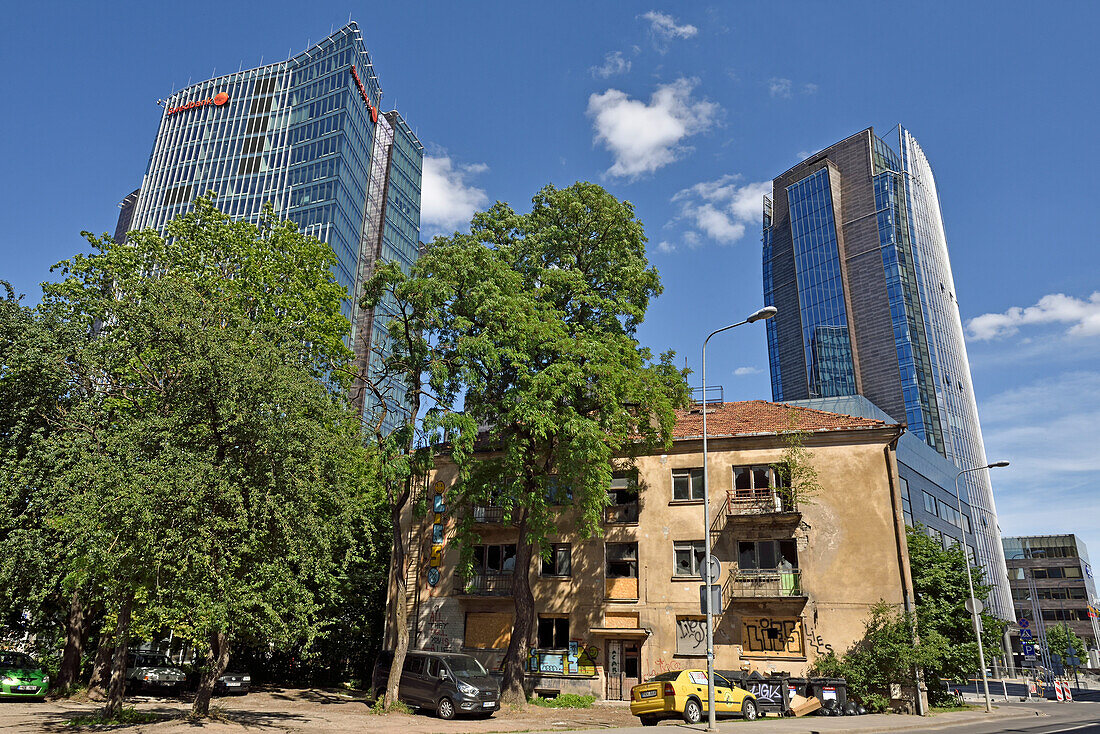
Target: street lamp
{"x": 765, "y": 313}
{"x": 970, "y": 584}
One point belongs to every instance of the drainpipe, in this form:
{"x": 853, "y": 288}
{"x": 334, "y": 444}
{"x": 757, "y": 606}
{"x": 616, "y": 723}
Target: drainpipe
{"x": 908, "y": 594}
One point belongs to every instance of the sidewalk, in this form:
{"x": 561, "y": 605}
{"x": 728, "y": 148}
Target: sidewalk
{"x": 869, "y": 723}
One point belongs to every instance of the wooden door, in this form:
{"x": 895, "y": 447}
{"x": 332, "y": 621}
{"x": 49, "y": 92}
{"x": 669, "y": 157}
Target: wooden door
{"x": 614, "y": 670}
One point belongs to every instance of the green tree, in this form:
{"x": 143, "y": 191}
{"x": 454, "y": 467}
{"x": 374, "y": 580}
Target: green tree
{"x": 216, "y": 474}
{"x": 940, "y": 588}
{"x": 408, "y": 372}
{"x": 542, "y": 312}
{"x": 943, "y": 647}
{"x": 885, "y": 655}
{"x": 798, "y": 477}
{"x": 1059, "y": 639}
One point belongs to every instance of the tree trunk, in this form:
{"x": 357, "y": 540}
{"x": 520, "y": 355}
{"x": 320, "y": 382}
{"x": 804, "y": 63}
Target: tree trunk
{"x": 512, "y": 688}
{"x": 69, "y": 673}
{"x": 398, "y": 594}
{"x": 217, "y": 661}
{"x": 101, "y": 668}
{"x": 117, "y": 688}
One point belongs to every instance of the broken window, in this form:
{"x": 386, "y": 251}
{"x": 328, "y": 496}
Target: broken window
{"x": 495, "y": 559}
{"x": 689, "y": 557}
{"x": 767, "y": 555}
{"x": 554, "y": 633}
{"x": 622, "y": 560}
{"x": 624, "y": 497}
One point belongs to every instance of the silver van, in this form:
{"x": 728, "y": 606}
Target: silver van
{"x": 444, "y": 682}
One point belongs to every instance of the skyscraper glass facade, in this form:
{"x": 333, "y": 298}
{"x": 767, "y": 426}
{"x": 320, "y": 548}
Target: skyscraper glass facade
{"x": 870, "y": 301}
{"x": 304, "y": 135}
{"x": 820, "y": 290}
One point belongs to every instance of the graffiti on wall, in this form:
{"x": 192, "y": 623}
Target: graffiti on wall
{"x": 578, "y": 659}
{"x": 440, "y": 625}
{"x": 691, "y": 636}
{"x": 781, "y": 637}
{"x": 817, "y": 642}
{"x": 436, "y": 558}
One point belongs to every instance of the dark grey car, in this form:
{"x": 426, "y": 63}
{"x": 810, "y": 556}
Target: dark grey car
{"x": 446, "y": 683}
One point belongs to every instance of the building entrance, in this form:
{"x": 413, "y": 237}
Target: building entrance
{"x": 624, "y": 668}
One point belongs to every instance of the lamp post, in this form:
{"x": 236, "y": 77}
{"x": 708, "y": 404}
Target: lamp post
{"x": 970, "y": 584}
{"x": 765, "y": 313}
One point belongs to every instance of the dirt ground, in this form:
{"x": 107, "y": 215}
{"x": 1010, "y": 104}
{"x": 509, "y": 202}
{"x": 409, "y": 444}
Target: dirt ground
{"x": 304, "y": 710}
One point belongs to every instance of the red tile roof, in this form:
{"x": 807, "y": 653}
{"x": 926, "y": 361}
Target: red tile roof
{"x": 750, "y": 417}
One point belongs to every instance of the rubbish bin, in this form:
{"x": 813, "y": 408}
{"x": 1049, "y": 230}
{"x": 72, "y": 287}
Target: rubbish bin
{"x": 798, "y": 687}
{"x": 771, "y": 693}
{"x": 832, "y": 692}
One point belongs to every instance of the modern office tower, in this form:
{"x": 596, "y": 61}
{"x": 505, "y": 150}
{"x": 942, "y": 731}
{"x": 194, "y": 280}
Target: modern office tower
{"x": 1052, "y": 585}
{"x": 307, "y": 135}
{"x": 855, "y": 260}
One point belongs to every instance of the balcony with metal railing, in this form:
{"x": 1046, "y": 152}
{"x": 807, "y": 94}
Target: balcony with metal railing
{"x": 774, "y": 507}
{"x": 485, "y": 584}
{"x": 487, "y": 515}
{"x": 765, "y": 583}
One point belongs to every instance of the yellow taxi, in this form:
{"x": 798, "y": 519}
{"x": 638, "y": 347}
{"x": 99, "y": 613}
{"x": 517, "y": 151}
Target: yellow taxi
{"x": 683, "y": 693}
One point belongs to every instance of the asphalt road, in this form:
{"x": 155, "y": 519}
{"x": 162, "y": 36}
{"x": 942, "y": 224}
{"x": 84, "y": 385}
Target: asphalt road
{"x": 1080, "y": 718}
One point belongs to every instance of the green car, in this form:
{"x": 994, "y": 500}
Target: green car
{"x": 21, "y": 677}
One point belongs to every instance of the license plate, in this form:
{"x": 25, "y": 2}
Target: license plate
{"x": 647, "y": 694}
{"x": 27, "y": 688}
{"x": 231, "y": 685}
{"x": 488, "y": 704}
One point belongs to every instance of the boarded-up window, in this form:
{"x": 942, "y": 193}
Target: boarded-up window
{"x": 772, "y": 636}
{"x": 488, "y": 630}
{"x": 691, "y": 636}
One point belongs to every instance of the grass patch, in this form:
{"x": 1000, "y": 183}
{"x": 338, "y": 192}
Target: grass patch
{"x": 953, "y": 707}
{"x": 126, "y": 717}
{"x": 397, "y": 707}
{"x": 565, "y": 701}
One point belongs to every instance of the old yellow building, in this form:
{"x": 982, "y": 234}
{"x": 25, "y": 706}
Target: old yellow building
{"x": 797, "y": 579}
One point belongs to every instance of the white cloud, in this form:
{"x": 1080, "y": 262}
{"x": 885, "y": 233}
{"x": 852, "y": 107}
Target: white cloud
{"x": 664, "y": 28}
{"x": 722, "y": 209}
{"x": 448, "y": 201}
{"x": 644, "y": 137}
{"x": 613, "y": 63}
{"x": 665, "y": 247}
{"x": 1047, "y": 429}
{"x": 1056, "y": 308}
{"x": 809, "y": 88}
{"x": 779, "y": 87}
{"x": 744, "y": 371}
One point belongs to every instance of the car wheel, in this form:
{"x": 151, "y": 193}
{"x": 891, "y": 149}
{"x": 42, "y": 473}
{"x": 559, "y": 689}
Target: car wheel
{"x": 649, "y": 720}
{"x": 748, "y": 710}
{"x": 445, "y": 709}
{"x": 693, "y": 712}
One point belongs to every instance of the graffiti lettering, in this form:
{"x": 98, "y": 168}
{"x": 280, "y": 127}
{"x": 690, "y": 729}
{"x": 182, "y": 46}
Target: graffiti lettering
{"x": 691, "y": 636}
{"x": 772, "y": 636}
{"x": 439, "y": 635}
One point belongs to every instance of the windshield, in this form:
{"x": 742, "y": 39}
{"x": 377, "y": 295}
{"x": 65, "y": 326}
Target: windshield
{"x": 671, "y": 675}
{"x": 464, "y": 666}
{"x": 15, "y": 660}
{"x": 153, "y": 661}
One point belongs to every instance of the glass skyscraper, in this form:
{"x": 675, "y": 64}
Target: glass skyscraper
{"x": 307, "y": 135}
{"x": 855, "y": 260}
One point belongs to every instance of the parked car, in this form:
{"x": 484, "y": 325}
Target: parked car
{"x": 21, "y": 676}
{"x": 683, "y": 693}
{"x": 233, "y": 683}
{"x": 154, "y": 672}
{"x": 443, "y": 682}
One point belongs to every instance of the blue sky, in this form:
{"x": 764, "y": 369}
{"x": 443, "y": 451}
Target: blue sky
{"x": 684, "y": 109}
